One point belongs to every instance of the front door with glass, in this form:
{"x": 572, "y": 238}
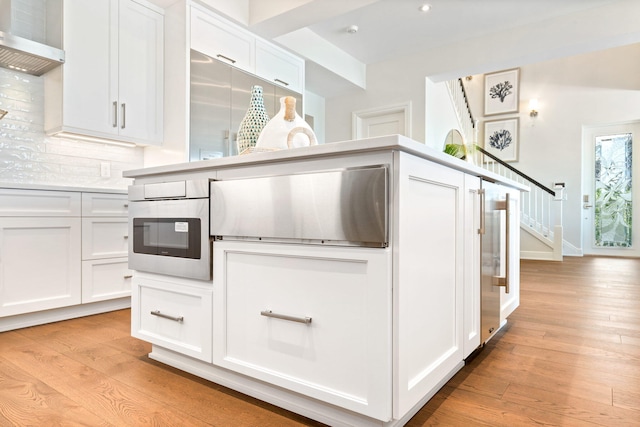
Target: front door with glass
{"x": 611, "y": 218}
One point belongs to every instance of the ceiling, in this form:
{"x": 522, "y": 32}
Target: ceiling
{"x": 393, "y": 29}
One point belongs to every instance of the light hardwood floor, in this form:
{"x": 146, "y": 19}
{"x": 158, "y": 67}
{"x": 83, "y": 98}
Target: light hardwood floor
{"x": 569, "y": 356}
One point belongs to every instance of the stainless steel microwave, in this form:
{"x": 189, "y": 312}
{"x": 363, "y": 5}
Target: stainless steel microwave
{"x": 169, "y": 229}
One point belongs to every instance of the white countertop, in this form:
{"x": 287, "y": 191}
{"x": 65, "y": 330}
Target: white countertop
{"x": 48, "y": 187}
{"x": 384, "y": 143}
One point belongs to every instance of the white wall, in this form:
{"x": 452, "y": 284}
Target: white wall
{"x": 388, "y": 83}
{"x": 440, "y": 115}
{"x": 314, "y": 106}
{"x": 27, "y": 155}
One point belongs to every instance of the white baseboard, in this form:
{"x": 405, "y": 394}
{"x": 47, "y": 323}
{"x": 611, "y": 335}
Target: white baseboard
{"x": 49, "y": 316}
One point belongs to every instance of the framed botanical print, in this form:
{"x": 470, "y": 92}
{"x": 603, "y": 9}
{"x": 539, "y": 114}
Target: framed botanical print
{"x": 501, "y": 139}
{"x": 502, "y": 92}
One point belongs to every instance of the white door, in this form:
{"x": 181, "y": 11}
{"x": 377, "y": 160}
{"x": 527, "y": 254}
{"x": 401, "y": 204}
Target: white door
{"x": 388, "y": 120}
{"x": 610, "y": 192}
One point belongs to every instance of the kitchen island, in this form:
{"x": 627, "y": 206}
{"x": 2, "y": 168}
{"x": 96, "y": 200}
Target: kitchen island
{"x": 343, "y": 329}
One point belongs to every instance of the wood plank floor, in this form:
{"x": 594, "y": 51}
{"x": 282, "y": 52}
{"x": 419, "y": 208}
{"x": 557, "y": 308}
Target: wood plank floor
{"x": 569, "y": 356}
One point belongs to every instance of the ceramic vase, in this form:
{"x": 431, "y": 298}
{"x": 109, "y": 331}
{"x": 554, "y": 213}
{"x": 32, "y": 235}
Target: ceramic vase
{"x": 286, "y": 129}
{"x": 253, "y": 122}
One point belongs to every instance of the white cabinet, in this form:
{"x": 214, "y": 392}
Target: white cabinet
{"x": 39, "y": 251}
{"x": 471, "y": 332}
{"x": 104, "y": 205}
{"x": 105, "y": 270}
{"x": 111, "y": 85}
{"x": 315, "y": 320}
{"x": 104, "y": 238}
{"x": 220, "y": 39}
{"x": 428, "y": 277}
{"x": 173, "y": 313}
{"x": 60, "y": 250}
{"x": 279, "y": 66}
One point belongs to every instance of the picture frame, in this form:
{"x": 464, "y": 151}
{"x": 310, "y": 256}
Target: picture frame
{"x": 502, "y": 92}
{"x": 501, "y": 138}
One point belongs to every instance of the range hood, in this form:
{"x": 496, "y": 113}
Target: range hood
{"x": 20, "y": 18}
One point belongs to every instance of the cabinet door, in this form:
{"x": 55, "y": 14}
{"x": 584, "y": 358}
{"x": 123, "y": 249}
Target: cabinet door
{"x": 104, "y": 238}
{"x": 510, "y": 301}
{"x": 88, "y": 79}
{"x": 222, "y": 40}
{"x": 279, "y": 66}
{"x": 471, "y": 312}
{"x": 428, "y": 281}
{"x": 105, "y": 204}
{"x": 39, "y": 264}
{"x": 172, "y": 315}
{"x": 140, "y": 73}
{"x": 105, "y": 279}
{"x": 336, "y": 344}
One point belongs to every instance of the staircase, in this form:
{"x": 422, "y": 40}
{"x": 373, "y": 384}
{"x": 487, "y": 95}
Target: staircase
{"x": 540, "y": 208}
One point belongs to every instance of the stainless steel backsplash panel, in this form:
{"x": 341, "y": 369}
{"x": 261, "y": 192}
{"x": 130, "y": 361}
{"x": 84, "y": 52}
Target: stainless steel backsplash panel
{"x": 333, "y": 207}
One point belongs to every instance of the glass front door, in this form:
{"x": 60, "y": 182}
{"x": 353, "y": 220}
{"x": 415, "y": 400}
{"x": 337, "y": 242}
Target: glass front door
{"x": 613, "y": 221}
{"x": 610, "y": 191}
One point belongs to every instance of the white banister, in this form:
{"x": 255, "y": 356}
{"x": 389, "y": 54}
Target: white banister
{"x": 540, "y": 209}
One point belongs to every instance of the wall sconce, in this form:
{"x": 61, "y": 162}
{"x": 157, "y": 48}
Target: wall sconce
{"x": 533, "y": 106}
{"x": 3, "y": 113}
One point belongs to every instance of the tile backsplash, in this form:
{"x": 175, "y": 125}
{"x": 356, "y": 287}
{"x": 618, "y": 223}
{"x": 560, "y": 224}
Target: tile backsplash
{"x": 29, "y": 156}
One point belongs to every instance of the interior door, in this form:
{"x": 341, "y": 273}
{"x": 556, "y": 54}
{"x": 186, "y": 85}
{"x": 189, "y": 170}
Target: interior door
{"x": 611, "y": 217}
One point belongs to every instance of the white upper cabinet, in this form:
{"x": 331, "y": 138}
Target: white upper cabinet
{"x": 234, "y": 45}
{"x": 279, "y": 66}
{"x": 111, "y": 85}
{"x": 222, "y": 40}
{"x": 140, "y": 73}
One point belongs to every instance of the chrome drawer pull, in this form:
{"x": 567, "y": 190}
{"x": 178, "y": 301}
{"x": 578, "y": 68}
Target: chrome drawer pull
{"x": 233, "y": 61}
{"x": 269, "y": 313}
{"x": 281, "y": 82}
{"x": 166, "y": 316}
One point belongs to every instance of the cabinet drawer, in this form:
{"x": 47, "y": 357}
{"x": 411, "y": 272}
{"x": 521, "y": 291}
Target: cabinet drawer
{"x": 222, "y": 40}
{"x": 102, "y": 204}
{"x": 173, "y": 316}
{"x": 342, "y": 355}
{"x": 21, "y": 203}
{"x": 104, "y": 238}
{"x": 105, "y": 279}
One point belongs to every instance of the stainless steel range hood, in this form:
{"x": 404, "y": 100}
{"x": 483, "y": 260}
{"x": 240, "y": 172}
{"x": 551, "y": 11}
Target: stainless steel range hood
{"x": 23, "y": 54}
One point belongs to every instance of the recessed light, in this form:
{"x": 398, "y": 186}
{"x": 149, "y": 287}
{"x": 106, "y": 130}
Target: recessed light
{"x": 425, "y": 8}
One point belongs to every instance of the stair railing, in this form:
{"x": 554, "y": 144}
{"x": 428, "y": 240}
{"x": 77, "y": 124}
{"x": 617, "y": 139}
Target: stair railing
{"x": 540, "y": 208}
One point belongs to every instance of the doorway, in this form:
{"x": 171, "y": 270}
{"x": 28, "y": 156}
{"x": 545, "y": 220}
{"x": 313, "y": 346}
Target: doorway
{"x": 388, "y": 120}
{"x": 610, "y": 191}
